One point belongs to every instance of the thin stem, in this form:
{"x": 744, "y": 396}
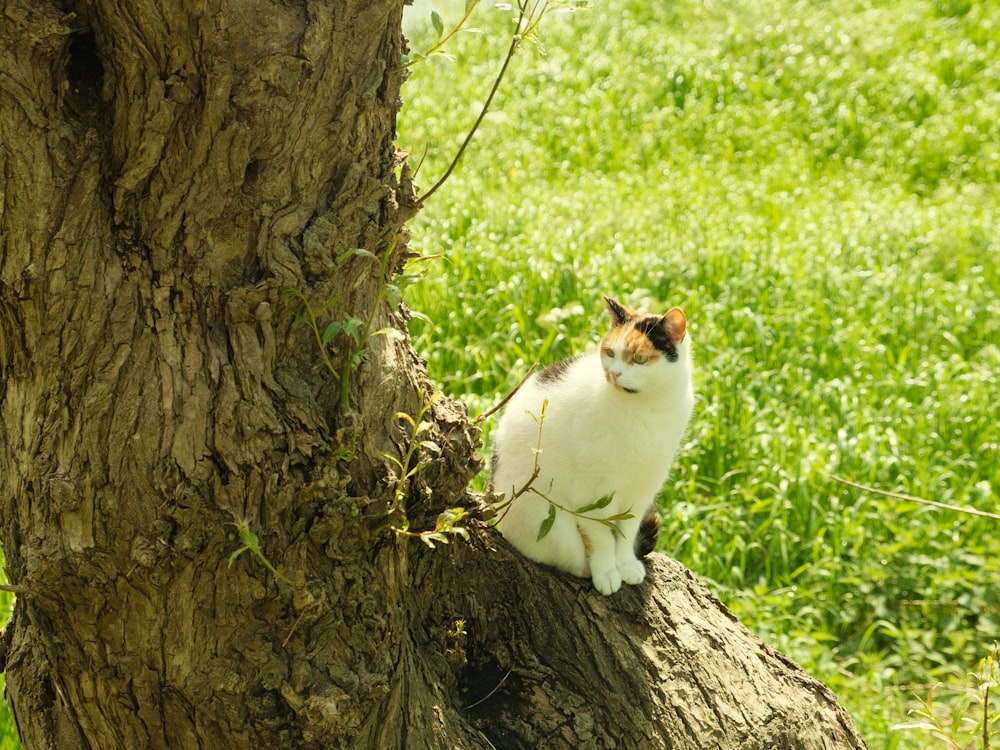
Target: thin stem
{"x": 505, "y": 505}
{"x": 353, "y": 359}
{"x": 515, "y": 40}
{"x": 492, "y": 692}
{"x": 414, "y": 445}
{"x": 503, "y": 402}
{"x": 443, "y": 40}
{"x": 992, "y": 658}
{"x": 911, "y": 498}
{"x": 986, "y": 717}
{"x": 314, "y": 325}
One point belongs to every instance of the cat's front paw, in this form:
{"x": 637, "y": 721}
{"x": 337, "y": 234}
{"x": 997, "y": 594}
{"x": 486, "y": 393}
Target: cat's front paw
{"x": 607, "y": 581}
{"x": 632, "y": 571}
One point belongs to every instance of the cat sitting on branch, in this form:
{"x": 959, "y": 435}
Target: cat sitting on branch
{"x": 584, "y": 446}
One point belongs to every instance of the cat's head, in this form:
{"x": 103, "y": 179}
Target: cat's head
{"x": 643, "y": 352}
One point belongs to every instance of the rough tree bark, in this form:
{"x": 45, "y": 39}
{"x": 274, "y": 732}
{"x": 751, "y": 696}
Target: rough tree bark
{"x": 168, "y": 170}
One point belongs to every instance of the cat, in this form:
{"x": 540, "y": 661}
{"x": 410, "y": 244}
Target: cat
{"x": 613, "y": 420}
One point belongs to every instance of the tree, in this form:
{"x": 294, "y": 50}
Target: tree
{"x": 199, "y": 500}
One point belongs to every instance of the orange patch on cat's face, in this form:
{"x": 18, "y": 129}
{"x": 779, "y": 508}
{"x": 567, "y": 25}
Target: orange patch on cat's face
{"x": 631, "y": 345}
{"x": 622, "y": 348}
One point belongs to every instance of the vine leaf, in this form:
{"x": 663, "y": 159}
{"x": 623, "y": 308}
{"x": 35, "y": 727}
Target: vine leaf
{"x": 546, "y": 526}
{"x": 331, "y": 331}
{"x": 619, "y": 517}
{"x": 604, "y": 502}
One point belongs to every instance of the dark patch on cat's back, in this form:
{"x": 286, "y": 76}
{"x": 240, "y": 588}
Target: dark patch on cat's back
{"x": 556, "y": 371}
{"x": 652, "y": 328}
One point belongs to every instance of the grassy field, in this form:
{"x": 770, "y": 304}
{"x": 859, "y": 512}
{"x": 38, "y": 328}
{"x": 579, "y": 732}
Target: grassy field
{"x": 8, "y": 734}
{"x": 816, "y": 184}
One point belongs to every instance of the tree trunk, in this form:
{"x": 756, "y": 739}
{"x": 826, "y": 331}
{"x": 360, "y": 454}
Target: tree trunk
{"x": 170, "y": 173}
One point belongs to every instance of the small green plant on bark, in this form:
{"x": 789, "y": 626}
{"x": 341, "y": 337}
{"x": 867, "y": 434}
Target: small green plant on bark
{"x": 355, "y": 331}
{"x": 251, "y": 543}
{"x": 407, "y": 466}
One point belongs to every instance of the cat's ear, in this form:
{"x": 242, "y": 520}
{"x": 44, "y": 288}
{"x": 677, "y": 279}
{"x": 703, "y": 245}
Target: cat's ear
{"x": 618, "y": 312}
{"x": 676, "y": 324}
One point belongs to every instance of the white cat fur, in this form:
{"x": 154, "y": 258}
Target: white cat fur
{"x": 597, "y": 439}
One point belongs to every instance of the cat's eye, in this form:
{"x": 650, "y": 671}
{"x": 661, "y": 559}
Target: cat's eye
{"x": 608, "y": 352}
{"x": 640, "y": 359}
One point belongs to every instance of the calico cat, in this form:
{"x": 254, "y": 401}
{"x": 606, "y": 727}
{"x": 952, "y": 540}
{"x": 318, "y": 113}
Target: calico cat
{"x": 613, "y": 420}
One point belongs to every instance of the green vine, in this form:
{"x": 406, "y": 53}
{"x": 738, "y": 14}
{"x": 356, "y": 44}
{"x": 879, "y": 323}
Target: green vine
{"x": 418, "y": 426}
{"x": 408, "y": 61}
{"x": 447, "y": 520}
{"x": 973, "y": 716}
{"x": 529, "y": 16}
{"x": 251, "y": 543}
{"x": 585, "y": 512}
{"x": 445, "y": 524}
{"x": 358, "y": 331}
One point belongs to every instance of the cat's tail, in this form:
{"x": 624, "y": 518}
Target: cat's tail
{"x": 649, "y": 532}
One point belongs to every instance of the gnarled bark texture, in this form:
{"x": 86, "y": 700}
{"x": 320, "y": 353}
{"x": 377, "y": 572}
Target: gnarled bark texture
{"x": 169, "y": 170}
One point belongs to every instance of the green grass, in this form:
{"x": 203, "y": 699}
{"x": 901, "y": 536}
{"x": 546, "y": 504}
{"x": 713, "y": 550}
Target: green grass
{"x": 8, "y": 733}
{"x": 817, "y": 186}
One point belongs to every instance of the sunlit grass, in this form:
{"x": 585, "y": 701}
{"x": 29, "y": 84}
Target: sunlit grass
{"x": 816, "y": 185}
{"x": 8, "y": 732}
